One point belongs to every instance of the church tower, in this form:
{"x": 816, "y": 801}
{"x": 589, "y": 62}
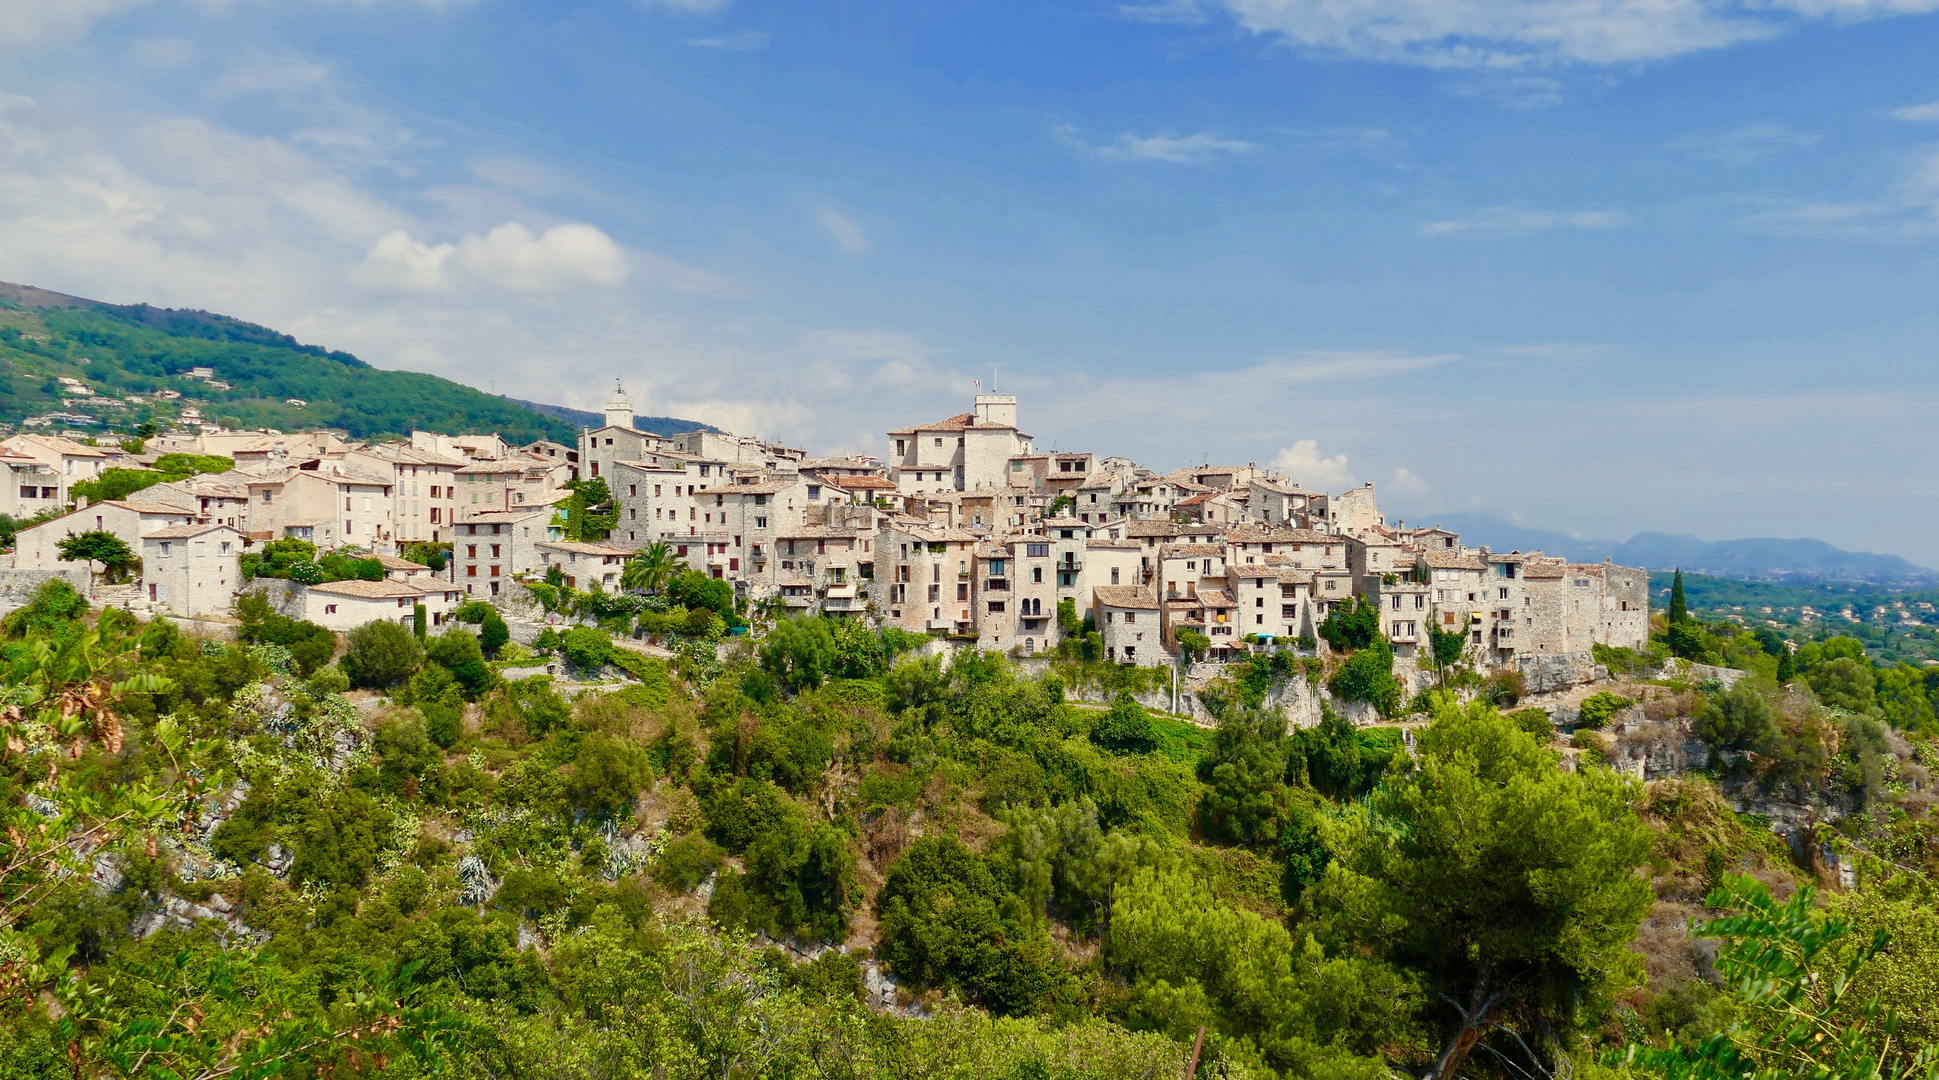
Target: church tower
{"x": 619, "y": 408}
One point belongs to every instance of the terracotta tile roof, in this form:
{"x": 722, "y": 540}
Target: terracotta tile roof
{"x": 1545, "y": 569}
{"x": 860, "y": 483}
{"x": 1141, "y": 529}
{"x": 497, "y": 465}
{"x": 958, "y": 422}
{"x": 386, "y": 589}
{"x": 1452, "y": 560}
{"x": 181, "y": 532}
{"x": 769, "y": 488}
{"x": 1126, "y": 596}
{"x": 1190, "y": 551}
{"x": 582, "y": 548}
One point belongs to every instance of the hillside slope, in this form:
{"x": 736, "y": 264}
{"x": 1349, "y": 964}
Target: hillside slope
{"x": 127, "y": 355}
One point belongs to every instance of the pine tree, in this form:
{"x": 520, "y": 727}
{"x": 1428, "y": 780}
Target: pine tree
{"x": 1679, "y": 609}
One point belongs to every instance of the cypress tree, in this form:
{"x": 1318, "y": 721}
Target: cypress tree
{"x": 1787, "y": 668}
{"x": 1679, "y": 609}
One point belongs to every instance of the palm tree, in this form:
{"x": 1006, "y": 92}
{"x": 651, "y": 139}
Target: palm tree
{"x": 650, "y": 568}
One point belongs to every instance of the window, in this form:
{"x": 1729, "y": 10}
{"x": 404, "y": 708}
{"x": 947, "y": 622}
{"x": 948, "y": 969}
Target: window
{"x": 1114, "y": 575}
{"x": 996, "y": 607}
{"x": 329, "y": 609}
{"x": 494, "y": 571}
{"x": 760, "y": 523}
{"x": 1504, "y": 593}
{"x": 268, "y": 497}
{"x": 164, "y": 549}
{"x": 1288, "y": 611}
{"x": 1130, "y": 616}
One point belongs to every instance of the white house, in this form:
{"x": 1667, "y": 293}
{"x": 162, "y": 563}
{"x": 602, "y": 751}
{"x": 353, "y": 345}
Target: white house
{"x": 191, "y": 569}
{"x": 346, "y": 605}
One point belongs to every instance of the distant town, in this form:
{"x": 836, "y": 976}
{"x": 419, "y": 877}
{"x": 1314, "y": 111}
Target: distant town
{"x": 966, "y": 532}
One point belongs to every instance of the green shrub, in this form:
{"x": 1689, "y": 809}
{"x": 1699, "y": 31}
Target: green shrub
{"x": 687, "y": 862}
{"x": 1534, "y": 721}
{"x": 1368, "y": 675}
{"x": 1126, "y": 729}
{"x": 381, "y": 654}
{"x": 1601, "y": 707}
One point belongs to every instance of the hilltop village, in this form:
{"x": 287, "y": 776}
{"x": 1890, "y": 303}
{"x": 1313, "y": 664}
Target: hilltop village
{"x": 966, "y": 532}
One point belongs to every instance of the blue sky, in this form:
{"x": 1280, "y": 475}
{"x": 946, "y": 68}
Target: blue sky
{"x": 1602, "y": 266}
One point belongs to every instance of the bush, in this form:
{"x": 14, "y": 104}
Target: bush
{"x": 1352, "y": 625}
{"x": 1505, "y": 689}
{"x": 687, "y": 862}
{"x": 458, "y": 652}
{"x": 328, "y": 680}
{"x": 586, "y": 648}
{"x": 1534, "y": 721}
{"x": 1126, "y": 729}
{"x": 943, "y": 917}
{"x": 1368, "y": 675}
{"x": 493, "y": 634}
{"x": 55, "y": 611}
{"x": 1601, "y": 707}
{"x": 381, "y": 655}
{"x": 1845, "y": 683}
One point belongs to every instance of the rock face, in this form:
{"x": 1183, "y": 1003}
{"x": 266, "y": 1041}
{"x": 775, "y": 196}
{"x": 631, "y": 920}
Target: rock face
{"x": 1551, "y": 673}
{"x": 1653, "y": 749}
{"x": 175, "y": 911}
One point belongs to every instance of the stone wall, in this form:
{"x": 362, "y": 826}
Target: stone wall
{"x": 17, "y": 587}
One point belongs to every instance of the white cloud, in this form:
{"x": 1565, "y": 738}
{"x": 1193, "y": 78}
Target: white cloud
{"x": 510, "y": 256}
{"x": 738, "y": 41}
{"x": 161, "y": 54}
{"x": 847, "y": 234}
{"x": 267, "y": 74}
{"x": 1510, "y": 219}
{"x": 1406, "y": 483}
{"x": 1198, "y": 149}
{"x": 1745, "y": 145}
{"x": 1908, "y": 210}
{"x": 1302, "y": 462}
{"x": 1918, "y": 114}
{"x": 1520, "y": 34}
{"x": 38, "y": 22}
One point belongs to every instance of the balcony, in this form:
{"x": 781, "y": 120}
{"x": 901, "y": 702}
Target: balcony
{"x": 843, "y": 603}
{"x": 1068, "y": 566}
{"x": 839, "y": 590}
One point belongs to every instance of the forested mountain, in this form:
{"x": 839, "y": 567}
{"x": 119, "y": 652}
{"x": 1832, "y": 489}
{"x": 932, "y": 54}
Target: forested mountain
{"x": 1754, "y": 559}
{"x": 819, "y": 854}
{"x": 126, "y": 354}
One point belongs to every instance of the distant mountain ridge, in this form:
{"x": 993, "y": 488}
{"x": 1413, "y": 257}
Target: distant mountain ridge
{"x": 658, "y": 425}
{"x": 1751, "y": 559}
